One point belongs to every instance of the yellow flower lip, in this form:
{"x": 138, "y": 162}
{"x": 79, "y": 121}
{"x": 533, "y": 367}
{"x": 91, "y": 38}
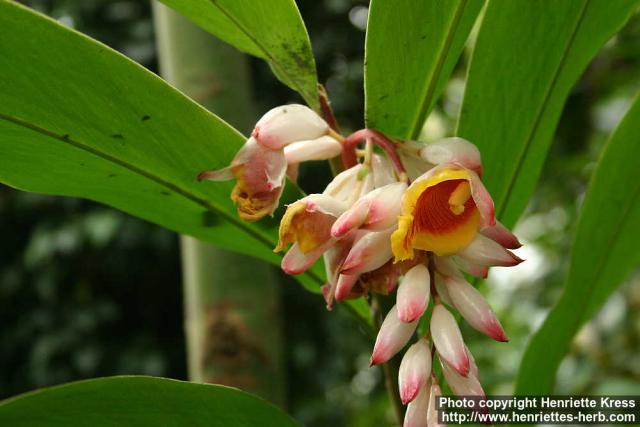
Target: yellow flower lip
{"x": 308, "y": 223}
{"x": 438, "y": 214}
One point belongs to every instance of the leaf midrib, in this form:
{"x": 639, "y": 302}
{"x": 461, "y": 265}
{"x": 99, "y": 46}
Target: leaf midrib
{"x": 139, "y": 171}
{"x": 443, "y": 53}
{"x": 541, "y": 112}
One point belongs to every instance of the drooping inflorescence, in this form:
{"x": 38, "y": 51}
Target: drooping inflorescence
{"x": 413, "y": 220}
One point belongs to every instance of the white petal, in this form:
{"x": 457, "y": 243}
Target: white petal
{"x": 432, "y": 412}
{"x": 297, "y": 262}
{"x": 448, "y": 340}
{"x": 441, "y": 288}
{"x": 288, "y": 123}
{"x": 461, "y": 386}
{"x": 382, "y": 170}
{"x": 474, "y": 308}
{"x": 445, "y": 266}
{"x": 485, "y": 251}
{"x": 453, "y": 150}
{"x": 324, "y": 204}
{"x": 322, "y": 148}
{"x": 344, "y": 184}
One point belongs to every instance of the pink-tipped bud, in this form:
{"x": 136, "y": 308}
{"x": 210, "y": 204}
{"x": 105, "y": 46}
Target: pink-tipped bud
{"x": 412, "y": 297}
{"x": 474, "y": 308}
{"x": 448, "y": 339}
{"x": 288, "y": 123}
{"x": 485, "y": 251}
{"x": 372, "y": 251}
{"x": 344, "y": 286}
{"x": 297, "y": 262}
{"x": 501, "y": 234}
{"x": 415, "y": 370}
{"x": 461, "y": 385}
{"x": 453, "y": 150}
{"x": 353, "y": 218}
{"x": 432, "y": 411}
{"x": 393, "y": 335}
{"x": 416, "y": 415}
{"x": 322, "y": 148}
{"x": 376, "y": 210}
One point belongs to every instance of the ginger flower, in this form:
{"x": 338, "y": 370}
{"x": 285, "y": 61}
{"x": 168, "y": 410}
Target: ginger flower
{"x": 259, "y": 173}
{"x": 282, "y": 138}
{"x": 307, "y": 225}
{"x": 379, "y": 234}
{"x": 442, "y": 211}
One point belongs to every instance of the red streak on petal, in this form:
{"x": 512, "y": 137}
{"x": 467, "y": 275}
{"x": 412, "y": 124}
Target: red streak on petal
{"x": 433, "y": 213}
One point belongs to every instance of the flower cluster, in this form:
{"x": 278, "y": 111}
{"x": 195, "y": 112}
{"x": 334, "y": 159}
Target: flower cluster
{"x": 282, "y": 138}
{"x": 416, "y": 218}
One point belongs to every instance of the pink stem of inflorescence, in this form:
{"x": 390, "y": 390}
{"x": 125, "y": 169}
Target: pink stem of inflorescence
{"x": 350, "y": 159}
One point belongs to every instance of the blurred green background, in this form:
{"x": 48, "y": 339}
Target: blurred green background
{"x": 87, "y": 291}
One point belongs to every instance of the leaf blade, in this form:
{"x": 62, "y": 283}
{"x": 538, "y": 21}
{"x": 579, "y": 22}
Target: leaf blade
{"x": 609, "y": 219}
{"x": 269, "y": 29}
{"x": 510, "y": 115}
{"x": 82, "y": 120}
{"x": 411, "y": 49}
{"x": 140, "y": 401}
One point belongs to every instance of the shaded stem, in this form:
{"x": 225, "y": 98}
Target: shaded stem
{"x": 327, "y": 114}
{"x": 327, "y": 111}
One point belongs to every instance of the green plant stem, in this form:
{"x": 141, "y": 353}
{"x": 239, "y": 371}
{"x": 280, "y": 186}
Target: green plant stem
{"x": 231, "y": 301}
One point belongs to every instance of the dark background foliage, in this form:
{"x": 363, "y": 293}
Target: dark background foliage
{"x": 87, "y": 291}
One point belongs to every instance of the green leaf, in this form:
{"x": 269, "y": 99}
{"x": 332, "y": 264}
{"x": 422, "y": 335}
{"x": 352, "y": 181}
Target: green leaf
{"x": 269, "y": 29}
{"x": 604, "y": 252}
{"x": 78, "y": 119}
{"x": 411, "y": 49}
{"x": 527, "y": 57}
{"x": 140, "y": 401}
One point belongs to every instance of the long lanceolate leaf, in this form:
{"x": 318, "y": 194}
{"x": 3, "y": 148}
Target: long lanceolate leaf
{"x": 604, "y": 252}
{"x": 140, "y": 402}
{"x": 528, "y": 56}
{"x": 269, "y": 29}
{"x": 78, "y": 119}
{"x": 411, "y": 49}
